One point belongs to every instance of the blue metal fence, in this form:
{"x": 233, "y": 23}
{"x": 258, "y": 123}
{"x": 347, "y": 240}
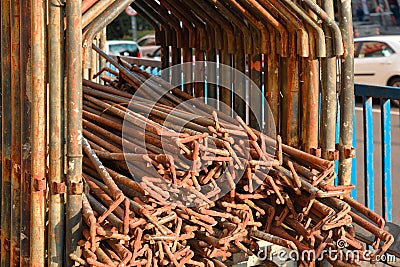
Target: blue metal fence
{"x": 384, "y": 95}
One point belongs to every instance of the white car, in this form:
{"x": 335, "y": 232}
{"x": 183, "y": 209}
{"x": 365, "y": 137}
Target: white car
{"x": 148, "y": 45}
{"x": 123, "y": 48}
{"x": 156, "y": 55}
{"x": 377, "y": 60}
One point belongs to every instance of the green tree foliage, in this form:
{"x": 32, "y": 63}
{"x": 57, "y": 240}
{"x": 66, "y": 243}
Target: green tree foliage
{"x": 121, "y": 27}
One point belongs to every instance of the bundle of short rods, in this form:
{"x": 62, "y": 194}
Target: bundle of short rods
{"x": 170, "y": 181}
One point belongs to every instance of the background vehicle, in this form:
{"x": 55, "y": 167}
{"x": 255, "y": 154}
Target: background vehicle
{"x": 123, "y": 48}
{"x": 377, "y": 60}
{"x": 155, "y": 55}
{"x": 148, "y": 44}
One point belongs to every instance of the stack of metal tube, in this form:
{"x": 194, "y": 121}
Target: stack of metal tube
{"x": 170, "y": 180}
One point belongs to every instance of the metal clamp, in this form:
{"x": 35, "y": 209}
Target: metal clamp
{"x": 332, "y": 155}
{"x": 76, "y": 188}
{"x": 8, "y": 163}
{"x": 40, "y": 184}
{"x": 349, "y": 152}
{"x": 316, "y": 151}
{"x": 58, "y": 188}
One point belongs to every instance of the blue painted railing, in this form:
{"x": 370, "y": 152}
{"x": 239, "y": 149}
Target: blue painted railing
{"x": 384, "y": 95}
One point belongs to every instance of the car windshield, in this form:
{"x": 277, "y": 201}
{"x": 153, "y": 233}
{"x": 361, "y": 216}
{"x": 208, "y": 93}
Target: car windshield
{"x": 157, "y": 53}
{"x": 147, "y": 41}
{"x": 375, "y": 49}
{"x": 124, "y": 49}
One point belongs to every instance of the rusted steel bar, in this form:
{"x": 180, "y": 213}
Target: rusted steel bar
{"x": 223, "y": 22}
{"x": 303, "y": 40}
{"x": 162, "y": 31}
{"x": 173, "y": 38}
{"x": 6, "y": 132}
{"x": 225, "y": 78}
{"x": 346, "y": 94}
{"x": 26, "y": 88}
{"x": 56, "y": 152}
{"x": 255, "y": 91}
{"x": 310, "y": 100}
{"x": 74, "y": 187}
{"x": 16, "y": 133}
{"x": 189, "y": 24}
{"x": 239, "y": 100}
{"x": 320, "y": 36}
{"x": 94, "y": 11}
{"x": 283, "y": 39}
{"x": 242, "y": 42}
{"x": 189, "y": 40}
{"x": 38, "y": 138}
{"x": 295, "y": 189}
{"x": 224, "y": 42}
{"x": 102, "y": 46}
{"x": 328, "y": 95}
{"x": 330, "y": 23}
{"x": 86, "y": 4}
{"x": 116, "y": 193}
{"x": 290, "y": 108}
{"x": 262, "y": 46}
{"x": 102, "y": 20}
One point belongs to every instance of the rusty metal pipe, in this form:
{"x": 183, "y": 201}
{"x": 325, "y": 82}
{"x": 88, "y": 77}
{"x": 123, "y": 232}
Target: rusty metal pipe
{"x": 328, "y": 94}
{"x": 164, "y": 18}
{"x": 188, "y": 24}
{"x": 223, "y": 227}
{"x": 38, "y": 164}
{"x": 115, "y": 192}
{"x": 16, "y": 134}
{"x": 26, "y": 87}
{"x": 102, "y": 46}
{"x": 95, "y": 11}
{"x": 236, "y": 20}
{"x": 346, "y": 93}
{"x": 284, "y": 40}
{"x": 98, "y": 24}
{"x": 6, "y": 124}
{"x": 303, "y": 40}
{"x": 330, "y": 23}
{"x": 86, "y": 4}
{"x": 56, "y": 151}
{"x": 263, "y": 46}
{"x": 153, "y": 22}
{"x": 74, "y": 128}
{"x": 310, "y": 98}
{"x": 321, "y": 47}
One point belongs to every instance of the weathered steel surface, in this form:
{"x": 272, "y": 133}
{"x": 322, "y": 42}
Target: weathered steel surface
{"x": 346, "y": 93}
{"x": 6, "y": 132}
{"x": 56, "y": 225}
{"x": 295, "y": 192}
{"x": 283, "y": 46}
{"x": 38, "y": 134}
{"x": 16, "y": 134}
{"x": 74, "y": 127}
{"x": 26, "y": 100}
{"x": 328, "y": 94}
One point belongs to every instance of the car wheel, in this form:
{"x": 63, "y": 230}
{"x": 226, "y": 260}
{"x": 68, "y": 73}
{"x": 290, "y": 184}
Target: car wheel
{"x": 395, "y": 82}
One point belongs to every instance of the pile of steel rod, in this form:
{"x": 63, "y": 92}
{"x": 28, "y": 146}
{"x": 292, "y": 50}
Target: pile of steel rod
{"x": 175, "y": 184}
